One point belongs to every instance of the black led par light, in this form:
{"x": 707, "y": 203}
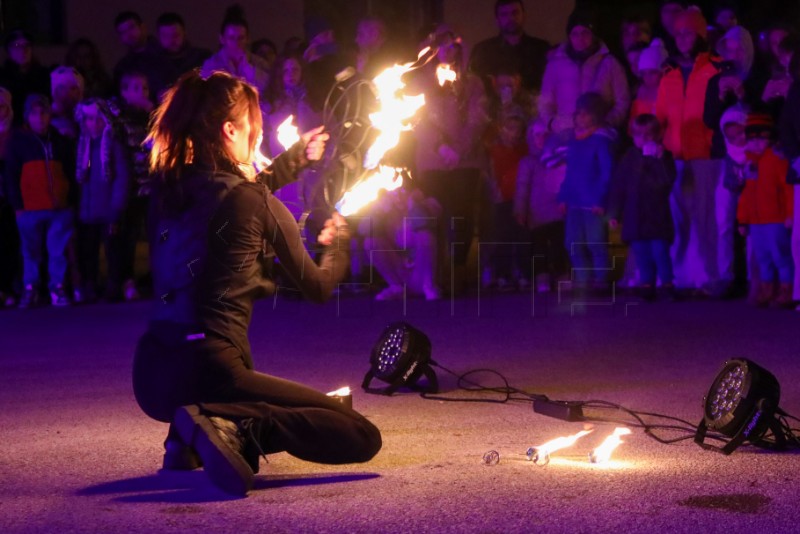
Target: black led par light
{"x": 742, "y": 405}
{"x": 400, "y": 358}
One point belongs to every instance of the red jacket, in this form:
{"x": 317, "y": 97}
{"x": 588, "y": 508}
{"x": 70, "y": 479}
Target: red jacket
{"x": 768, "y": 199}
{"x": 679, "y": 107}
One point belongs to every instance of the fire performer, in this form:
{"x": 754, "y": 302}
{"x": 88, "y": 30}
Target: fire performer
{"x": 215, "y": 226}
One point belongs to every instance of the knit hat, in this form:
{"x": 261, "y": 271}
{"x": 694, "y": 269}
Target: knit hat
{"x": 759, "y": 123}
{"x": 580, "y": 18}
{"x": 693, "y": 19}
{"x": 35, "y": 100}
{"x": 653, "y": 57}
{"x": 592, "y": 103}
{"x": 65, "y": 76}
{"x": 734, "y": 114}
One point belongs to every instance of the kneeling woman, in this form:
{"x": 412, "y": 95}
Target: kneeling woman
{"x": 215, "y": 227}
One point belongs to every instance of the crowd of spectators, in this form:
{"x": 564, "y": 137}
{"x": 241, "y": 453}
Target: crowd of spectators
{"x": 685, "y": 146}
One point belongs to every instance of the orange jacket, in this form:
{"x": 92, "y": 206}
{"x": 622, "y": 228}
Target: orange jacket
{"x": 679, "y": 107}
{"x": 768, "y": 199}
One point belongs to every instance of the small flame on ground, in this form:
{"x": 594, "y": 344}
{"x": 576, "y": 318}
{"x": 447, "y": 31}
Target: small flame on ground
{"x": 341, "y": 392}
{"x": 561, "y": 443}
{"x": 365, "y": 192}
{"x": 287, "y": 133}
{"x": 445, "y": 74}
{"x": 602, "y": 454}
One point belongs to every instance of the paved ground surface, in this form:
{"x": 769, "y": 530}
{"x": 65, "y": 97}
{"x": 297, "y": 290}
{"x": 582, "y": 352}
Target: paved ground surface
{"x": 78, "y": 455}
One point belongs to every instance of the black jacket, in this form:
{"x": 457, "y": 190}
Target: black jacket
{"x": 529, "y": 57}
{"x": 639, "y": 196}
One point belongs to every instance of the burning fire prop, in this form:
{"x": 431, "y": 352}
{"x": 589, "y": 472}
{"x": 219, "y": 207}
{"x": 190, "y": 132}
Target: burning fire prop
{"x": 396, "y": 109}
{"x": 601, "y": 455}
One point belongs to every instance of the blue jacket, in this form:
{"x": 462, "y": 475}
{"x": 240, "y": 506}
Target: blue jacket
{"x": 589, "y": 165}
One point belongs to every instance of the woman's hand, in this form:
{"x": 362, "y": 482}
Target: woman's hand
{"x": 314, "y": 141}
{"x": 331, "y": 229}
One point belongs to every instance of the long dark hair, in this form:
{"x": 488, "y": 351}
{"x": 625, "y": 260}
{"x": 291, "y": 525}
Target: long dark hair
{"x": 186, "y": 128}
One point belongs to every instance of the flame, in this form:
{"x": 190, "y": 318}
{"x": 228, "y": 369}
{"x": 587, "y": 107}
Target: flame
{"x": 445, "y": 74}
{"x": 395, "y": 109}
{"x": 287, "y": 133}
{"x": 602, "y": 454}
{"x": 366, "y": 191}
{"x": 341, "y": 392}
{"x": 561, "y": 443}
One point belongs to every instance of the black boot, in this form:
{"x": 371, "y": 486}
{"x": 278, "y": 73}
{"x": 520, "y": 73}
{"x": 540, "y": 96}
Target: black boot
{"x": 220, "y": 445}
{"x": 180, "y": 457}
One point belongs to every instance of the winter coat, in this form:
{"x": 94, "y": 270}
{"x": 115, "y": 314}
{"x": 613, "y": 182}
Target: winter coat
{"x": 565, "y": 80}
{"x": 536, "y": 195}
{"x": 590, "y": 162}
{"x": 768, "y": 199}
{"x": 455, "y": 115}
{"x": 103, "y": 191}
{"x": 640, "y": 194}
{"x": 40, "y": 171}
{"x": 680, "y": 106}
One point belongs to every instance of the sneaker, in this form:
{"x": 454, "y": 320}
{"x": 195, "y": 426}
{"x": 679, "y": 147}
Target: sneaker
{"x": 180, "y": 457}
{"x": 390, "y": 293}
{"x": 129, "y": 291}
{"x": 220, "y": 445}
{"x": 432, "y": 293}
{"x": 30, "y": 298}
{"x": 59, "y": 296}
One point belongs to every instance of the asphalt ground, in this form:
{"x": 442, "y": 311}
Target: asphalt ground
{"x": 79, "y": 456}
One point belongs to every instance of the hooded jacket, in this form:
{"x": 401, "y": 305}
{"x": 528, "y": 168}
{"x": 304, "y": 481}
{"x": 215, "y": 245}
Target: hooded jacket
{"x": 679, "y": 106}
{"x": 565, "y": 79}
{"x": 768, "y": 199}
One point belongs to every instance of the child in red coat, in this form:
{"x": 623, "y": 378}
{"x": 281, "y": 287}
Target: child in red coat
{"x": 765, "y": 212}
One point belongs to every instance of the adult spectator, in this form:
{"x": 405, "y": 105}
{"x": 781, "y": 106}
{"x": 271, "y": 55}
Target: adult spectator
{"x": 635, "y": 31}
{"x": 266, "y": 50}
{"x": 449, "y": 155}
{"x": 667, "y": 15}
{"x": 234, "y": 57}
{"x": 22, "y": 74}
{"x": 526, "y": 54}
{"x": 177, "y": 50}
{"x": 68, "y": 89}
{"x": 84, "y": 56}
{"x": 374, "y": 52}
{"x": 582, "y": 64}
{"x": 289, "y": 98}
{"x": 679, "y": 106}
{"x": 144, "y": 54}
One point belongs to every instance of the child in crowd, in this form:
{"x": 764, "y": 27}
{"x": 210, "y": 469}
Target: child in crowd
{"x": 650, "y": 69}
{"x": 38, "y": 183}
{"x": 66, "y": 87}
{"x": 766, "y": 211}
{"x": 730, "y": 246}
{"x": 639, "y": 197}
{"x": 131, "y": 119}
{"x": 103, "y": 172}
{"x": 400, "y": 237}
{"x": 584, "y": 193}
{"x": 536, "y": 208}
{"x": 505, "y": 151}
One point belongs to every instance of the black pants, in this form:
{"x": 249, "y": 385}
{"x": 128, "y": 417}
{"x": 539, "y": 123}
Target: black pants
{"x": 169, "y": 372}
{"x": 548, "y": 250}
{"x": 90, "y": 237}
{"x": 10, "y": 256}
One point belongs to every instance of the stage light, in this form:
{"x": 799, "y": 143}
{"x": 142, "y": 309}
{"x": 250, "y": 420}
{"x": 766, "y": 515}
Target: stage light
{"x": 400, "y": 358}
{"x": 741, "y": 405}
